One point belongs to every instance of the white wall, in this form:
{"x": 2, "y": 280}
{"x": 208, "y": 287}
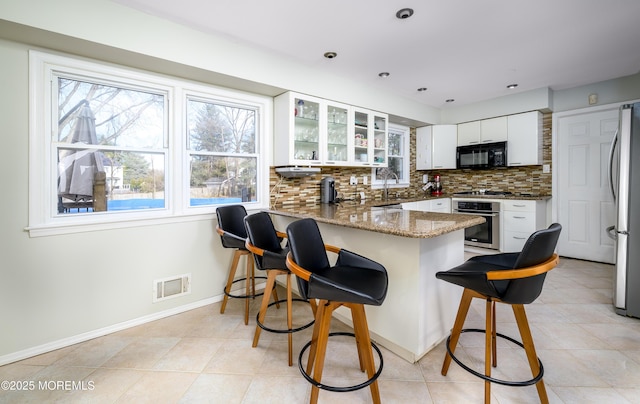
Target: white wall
{"x": 608, "y": 92}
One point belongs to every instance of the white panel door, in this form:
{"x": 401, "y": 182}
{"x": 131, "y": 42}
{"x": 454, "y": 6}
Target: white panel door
{"x": 584, "y": 205}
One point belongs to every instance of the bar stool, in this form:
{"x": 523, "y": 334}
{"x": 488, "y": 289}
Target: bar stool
{"x": 515, "y": 279}
{"x": 233, "y": 235}
{"x": 352, "y": 282}
{"x": 264, "y": 242}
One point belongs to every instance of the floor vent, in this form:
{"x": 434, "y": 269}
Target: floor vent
{"x": 174, "y": 286}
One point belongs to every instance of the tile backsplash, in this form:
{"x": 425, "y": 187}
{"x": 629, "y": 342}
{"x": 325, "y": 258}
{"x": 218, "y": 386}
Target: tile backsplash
{"x": 528, "y": 179}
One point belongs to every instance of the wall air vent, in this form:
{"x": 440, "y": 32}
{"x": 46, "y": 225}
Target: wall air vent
{"x": 171, "y": 287}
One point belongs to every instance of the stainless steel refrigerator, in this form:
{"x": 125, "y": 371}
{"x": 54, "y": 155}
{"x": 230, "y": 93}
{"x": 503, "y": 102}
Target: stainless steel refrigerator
{"x": 624, "y": 178}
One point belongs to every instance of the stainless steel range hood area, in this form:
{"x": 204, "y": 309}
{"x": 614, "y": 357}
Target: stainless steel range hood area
{"x": 297, "y": 172}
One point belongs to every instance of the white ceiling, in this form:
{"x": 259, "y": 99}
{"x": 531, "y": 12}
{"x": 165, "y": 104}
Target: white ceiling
{"x": 468, "y": 50}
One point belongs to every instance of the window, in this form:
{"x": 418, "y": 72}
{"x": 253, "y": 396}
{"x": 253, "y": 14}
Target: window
{"x": 222, "y": 149}
{"x": 126, "y": 145}
{"x": 398, "y": 155}
{"x": 111, "y": 129}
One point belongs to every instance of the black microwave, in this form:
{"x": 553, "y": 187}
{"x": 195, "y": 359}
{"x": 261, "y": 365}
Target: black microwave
{"x": 486, "y": 155}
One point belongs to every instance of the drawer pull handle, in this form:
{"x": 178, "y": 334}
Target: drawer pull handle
{"x": 519, "y": 206}
{"x": 519, "y": 217}
{"x": 519, "y": 238}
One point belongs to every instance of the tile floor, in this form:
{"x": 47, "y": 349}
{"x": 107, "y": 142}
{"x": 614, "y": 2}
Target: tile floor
{"x": 590, "y": 355}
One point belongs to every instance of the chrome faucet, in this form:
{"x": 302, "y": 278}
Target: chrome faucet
{"x": 386, "y": 173}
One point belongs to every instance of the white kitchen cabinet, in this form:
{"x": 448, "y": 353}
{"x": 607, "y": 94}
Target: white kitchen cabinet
{"x": 484, "y": 131}
{"x": 312, "y": 131}
{"x": 524, "y": 139}
{"x": 442, "y": 205}
{"x": 468, "y": 133}
{"x": 298, "y": 135}
{"x": 370, "y": 138}
{"x": 493, "y": 130}
{"x": 436, "y": 147}
{"x": 520, "y": 218}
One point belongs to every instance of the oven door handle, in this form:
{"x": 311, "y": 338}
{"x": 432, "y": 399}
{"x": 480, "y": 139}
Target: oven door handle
{"x": 469, "y": 212}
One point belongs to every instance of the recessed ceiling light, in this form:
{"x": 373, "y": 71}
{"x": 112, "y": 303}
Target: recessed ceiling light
{"x": 383, "y": 74}
{"x": 330, "y": 55}
{"x": 450, "y": 100}
{"x": 422, "y": 89}
{"x": 512, "y": 86}
{"x": 404, "y": 13}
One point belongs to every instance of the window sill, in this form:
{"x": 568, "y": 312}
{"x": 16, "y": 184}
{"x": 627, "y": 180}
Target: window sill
{"x": 68, "y": 227}
{"x": 390, "y": 185}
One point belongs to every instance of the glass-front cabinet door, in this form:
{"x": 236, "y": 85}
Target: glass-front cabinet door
{"x": 306, "y": 131}
{"x": 361, "y": 137}
{"x": 380, "y": 140}
{"x": 337, "y": 119}
{"x": 370, "y": 138}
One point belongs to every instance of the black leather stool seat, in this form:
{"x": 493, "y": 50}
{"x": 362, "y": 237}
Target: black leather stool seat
{"x": 350, "y": 284}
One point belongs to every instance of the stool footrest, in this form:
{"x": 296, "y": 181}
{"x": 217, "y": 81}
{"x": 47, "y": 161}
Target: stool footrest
{"x": 284, "y": 330}
{"x": 250, "y": 296}
{"x": 530, "y": 382}
{"x": 336, "y": 388}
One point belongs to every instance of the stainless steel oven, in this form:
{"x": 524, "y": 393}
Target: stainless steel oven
{"x": 486, "y": 235}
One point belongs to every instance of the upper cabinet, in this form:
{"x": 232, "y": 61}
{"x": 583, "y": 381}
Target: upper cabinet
{"x": 370, "y": 138}
{"x": 524, "y": 147}
{"x": 484, "y": 131}
{"x": 493, "y": 130}
{"x": 468, "y": 133}
{"x": 436, "y": 147}
{"x": 316, "y": 132}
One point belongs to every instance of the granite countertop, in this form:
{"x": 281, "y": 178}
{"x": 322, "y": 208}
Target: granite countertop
{"x": 370, "y": 215}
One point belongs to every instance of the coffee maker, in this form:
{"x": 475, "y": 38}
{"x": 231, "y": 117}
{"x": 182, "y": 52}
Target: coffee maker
{"x": 328, "y": 193}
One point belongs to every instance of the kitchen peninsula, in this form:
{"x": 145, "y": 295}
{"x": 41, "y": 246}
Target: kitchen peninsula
{"x": 419, "y": 310}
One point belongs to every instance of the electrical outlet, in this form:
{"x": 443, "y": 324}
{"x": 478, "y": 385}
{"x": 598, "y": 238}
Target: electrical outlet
{"x": 353, "y": 180}
{"x": 546, "y": 168}
{"x": 365, "y": 179}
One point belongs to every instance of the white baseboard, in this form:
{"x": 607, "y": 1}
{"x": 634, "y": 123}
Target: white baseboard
{"x": 65, "y": 342}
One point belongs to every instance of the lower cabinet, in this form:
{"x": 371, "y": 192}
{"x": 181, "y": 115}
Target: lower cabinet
{"x": 442, "y": 205}
{"x": 520, "y": 218}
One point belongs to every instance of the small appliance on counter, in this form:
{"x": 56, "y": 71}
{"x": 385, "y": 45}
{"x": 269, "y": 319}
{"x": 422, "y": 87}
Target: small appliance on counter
{"x": 434, "y": 187}
{"x": 328, "y": 193}
{"x": 437, "y": 189}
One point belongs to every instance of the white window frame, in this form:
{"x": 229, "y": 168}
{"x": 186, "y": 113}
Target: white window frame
{"x": 404, "y": 182}
{"x": 43, "y": 217}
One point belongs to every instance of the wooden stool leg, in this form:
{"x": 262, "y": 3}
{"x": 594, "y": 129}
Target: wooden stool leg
{"x": 532, "y": 356}
{"x": 321, "y": 348}
{"x": 363, "y": 339}
{"x": 488, "y": 343}
{"x": 232, "y": 274}
{"x": 271, "y": 280}
{"x": 320, "y": 311}
{"x": 275, "y": 293}
{"x": 463, "y": 309}
{"x": 290, "y": 317}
